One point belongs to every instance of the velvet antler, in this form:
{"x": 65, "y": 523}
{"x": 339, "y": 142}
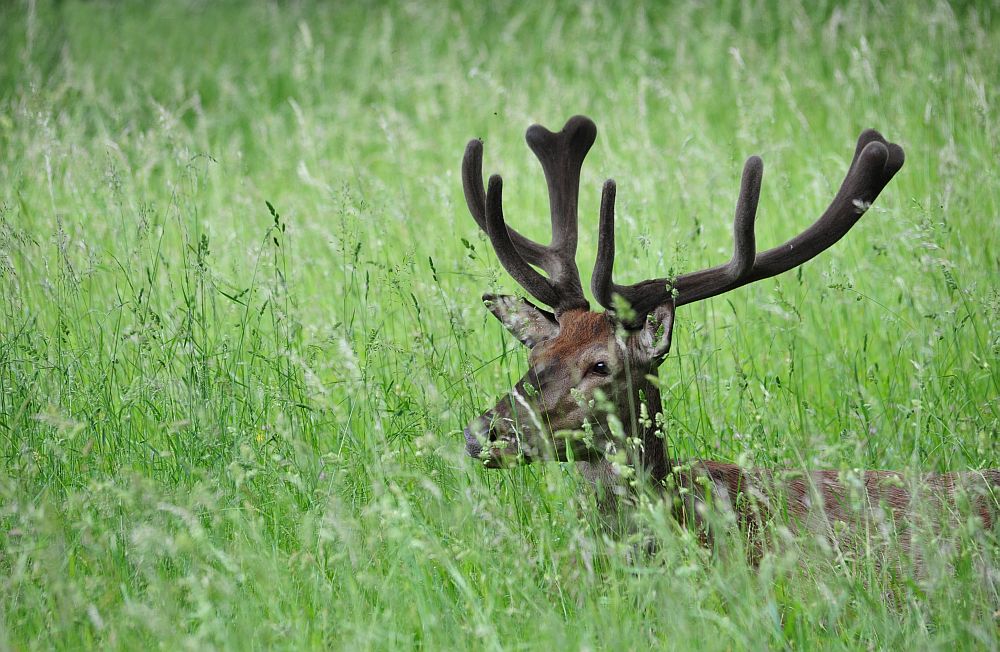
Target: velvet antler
{"x": 561, "y": 155}
{"x": 875, "y": 162}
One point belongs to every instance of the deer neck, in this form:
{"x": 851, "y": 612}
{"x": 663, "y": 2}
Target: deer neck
{"x": 637, "y": 410}
{"x": 639, "y": 415}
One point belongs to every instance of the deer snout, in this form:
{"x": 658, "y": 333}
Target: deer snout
{"x": 478, "y": 434}
{"x": 472, "y": 445}
{"x": 486, "y": 441}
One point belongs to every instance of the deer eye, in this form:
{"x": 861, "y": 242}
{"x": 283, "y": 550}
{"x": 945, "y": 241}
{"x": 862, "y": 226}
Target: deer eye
{"x": 600, "y": 368}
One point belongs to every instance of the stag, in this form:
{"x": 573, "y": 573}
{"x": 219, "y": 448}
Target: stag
{"x": 590, "y": 394}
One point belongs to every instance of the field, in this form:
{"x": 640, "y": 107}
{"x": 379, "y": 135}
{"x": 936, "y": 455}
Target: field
{"x": 241, "y": 329}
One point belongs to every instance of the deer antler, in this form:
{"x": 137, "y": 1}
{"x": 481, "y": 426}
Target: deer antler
{"x": 561, "y": 155}
{"x": 875, "y": 162}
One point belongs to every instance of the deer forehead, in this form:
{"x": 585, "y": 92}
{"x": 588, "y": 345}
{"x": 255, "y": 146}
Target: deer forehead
{"x": 580, "y": 331}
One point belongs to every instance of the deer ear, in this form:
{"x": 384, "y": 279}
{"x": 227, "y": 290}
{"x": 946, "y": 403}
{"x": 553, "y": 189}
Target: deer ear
{"x": 525, "y": 321}
{"x": 653, "y": 341}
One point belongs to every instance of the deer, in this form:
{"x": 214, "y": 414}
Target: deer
{"x": 591, "y": 393}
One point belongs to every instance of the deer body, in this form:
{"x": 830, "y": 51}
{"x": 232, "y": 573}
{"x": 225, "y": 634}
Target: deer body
{"x": 590, "y": 394}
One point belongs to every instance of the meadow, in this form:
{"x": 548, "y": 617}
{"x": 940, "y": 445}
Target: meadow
{"x": 241, "y": 327}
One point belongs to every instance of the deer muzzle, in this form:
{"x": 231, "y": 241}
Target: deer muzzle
{"x": 488, "y": 439}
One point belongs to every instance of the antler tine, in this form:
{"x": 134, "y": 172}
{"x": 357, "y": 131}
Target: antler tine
{"x": 744, "y": 241}
{"x": 874, "y": 164}
{"x": 475, "y": 199}
{"x": 601, "y": 283}
{"x": 561, "y": 155}
{"x": 500, "y": 237}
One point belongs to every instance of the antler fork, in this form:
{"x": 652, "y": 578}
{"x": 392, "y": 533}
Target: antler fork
{"x": 561, "y": 155}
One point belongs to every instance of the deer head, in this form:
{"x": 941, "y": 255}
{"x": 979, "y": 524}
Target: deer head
{"x": 588, "y": 388}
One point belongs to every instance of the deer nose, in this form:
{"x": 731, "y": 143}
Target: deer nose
{"x": 472, "y": 445}
{"x": 479, "y": 432}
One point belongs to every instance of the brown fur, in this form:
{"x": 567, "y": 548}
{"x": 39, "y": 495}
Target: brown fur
{"x": 817, "y": 501}
{"x": 578, "y": 328}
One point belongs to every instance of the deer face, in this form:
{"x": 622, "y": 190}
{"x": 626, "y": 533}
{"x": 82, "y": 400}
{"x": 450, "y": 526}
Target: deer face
{"x": 579, "y": 373}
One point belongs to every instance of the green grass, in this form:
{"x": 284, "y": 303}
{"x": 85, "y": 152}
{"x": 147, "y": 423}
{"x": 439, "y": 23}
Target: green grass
{"x": 223, "y": 426}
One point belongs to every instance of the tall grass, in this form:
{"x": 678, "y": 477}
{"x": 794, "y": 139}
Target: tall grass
{"x": 241, "y": 328}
